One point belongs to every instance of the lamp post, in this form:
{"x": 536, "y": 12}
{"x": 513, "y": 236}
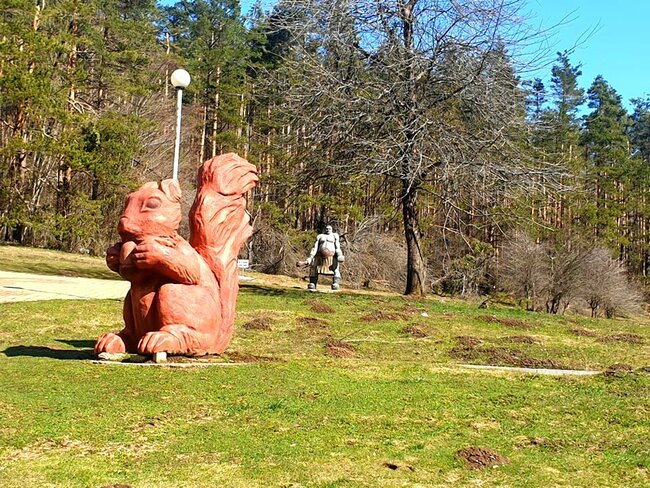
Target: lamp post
{"x": 180, "y": 79}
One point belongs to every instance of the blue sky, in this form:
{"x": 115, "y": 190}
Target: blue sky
{"x": 618, "y": 47}
{"x": 610, "y": 38}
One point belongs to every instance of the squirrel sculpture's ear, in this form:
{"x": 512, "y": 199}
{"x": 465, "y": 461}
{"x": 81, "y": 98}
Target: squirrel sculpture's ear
{"x": 171, "y": 189}
{"x": 150, "y": 184}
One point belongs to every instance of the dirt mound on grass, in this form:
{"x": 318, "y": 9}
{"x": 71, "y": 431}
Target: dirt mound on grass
{"x": 480, "y": 458}
{"x": 625, "y": 337}
{"x": 469, "y": 341}
{"x": 319, "y": 307}
{"x": 618, "y": 370}
{"x": 521, "y": 339}
{"x": 378, "y": 315}
{"x": 313, "y": 322}
{"x": 415, "y": 331}
{"x": 579, "y": 331}
{"x": 514, "y": 323}
{"x": 259, "y": 323}
{"x": 340, "y": 349}
{"x": 468, "y": 350}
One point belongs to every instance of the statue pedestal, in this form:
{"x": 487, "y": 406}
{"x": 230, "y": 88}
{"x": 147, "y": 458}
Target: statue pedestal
{"x": 160, "y": 357}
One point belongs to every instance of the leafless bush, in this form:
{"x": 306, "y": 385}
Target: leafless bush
{"x": 545, "y": 276}
{"x": 522, "y": 268}
{"x": 374, "y": 259}
{"x": 606, "y": 288}
{"x": 371, "y": 259}
{"x": 563, "y": 277}
{"x": 271, "y": 251}
{"x": 551, "y": 277}
{"x": 458, "y": 265}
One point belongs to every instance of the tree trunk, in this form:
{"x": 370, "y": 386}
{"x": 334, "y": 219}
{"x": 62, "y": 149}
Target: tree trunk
{"x": 415, "y": 265}
{"x": 215, "y": 117}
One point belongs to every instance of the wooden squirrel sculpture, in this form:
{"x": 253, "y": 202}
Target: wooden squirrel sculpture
{"x": 183, "y": 294}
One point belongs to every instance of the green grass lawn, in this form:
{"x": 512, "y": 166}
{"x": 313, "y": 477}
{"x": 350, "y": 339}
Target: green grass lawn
{"x": 349, "y": 390}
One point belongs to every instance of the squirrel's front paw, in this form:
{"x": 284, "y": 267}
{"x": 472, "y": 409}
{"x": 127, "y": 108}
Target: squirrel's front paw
{"x": 110, "y": 342}
{"x": 158, "y": 341}
{"x": 153, "y": 253}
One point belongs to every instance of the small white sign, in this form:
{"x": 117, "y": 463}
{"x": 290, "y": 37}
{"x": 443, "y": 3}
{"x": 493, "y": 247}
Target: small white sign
{"x": 243, "y": 263}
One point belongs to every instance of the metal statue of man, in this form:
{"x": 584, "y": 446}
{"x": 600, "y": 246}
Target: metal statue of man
{"x": 324, "y": 259}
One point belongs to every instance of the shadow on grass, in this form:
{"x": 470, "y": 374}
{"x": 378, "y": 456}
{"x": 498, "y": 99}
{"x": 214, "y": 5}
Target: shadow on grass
{"x": 293, "y": 293}
{"x": 48, "y": 352}
{"x": 270, "y": 291}
{"x": 83, "y": 343}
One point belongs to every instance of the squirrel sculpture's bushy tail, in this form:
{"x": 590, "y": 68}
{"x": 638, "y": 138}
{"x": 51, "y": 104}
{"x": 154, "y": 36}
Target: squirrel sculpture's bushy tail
{"x": 219, "y": 226}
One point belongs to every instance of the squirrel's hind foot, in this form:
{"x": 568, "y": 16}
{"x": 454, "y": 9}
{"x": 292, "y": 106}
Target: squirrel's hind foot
{"x": 159, "y": 341}
{"x": 111, "y": 343}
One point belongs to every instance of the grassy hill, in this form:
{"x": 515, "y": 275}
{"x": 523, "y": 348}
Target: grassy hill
{"x": 328, "y": 390}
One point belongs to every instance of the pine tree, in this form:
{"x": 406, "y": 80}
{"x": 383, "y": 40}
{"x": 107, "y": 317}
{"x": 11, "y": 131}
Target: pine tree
{"x": 209, "y": 36}
{"x": 607, "y": 151}
{"x": 75, "y": 78}
{"x": 555, "y": 135}
{"x": 639, "y": 132}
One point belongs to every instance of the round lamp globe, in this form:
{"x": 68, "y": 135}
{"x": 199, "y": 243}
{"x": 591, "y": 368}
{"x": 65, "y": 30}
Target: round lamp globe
{"x": 180, "y": 78}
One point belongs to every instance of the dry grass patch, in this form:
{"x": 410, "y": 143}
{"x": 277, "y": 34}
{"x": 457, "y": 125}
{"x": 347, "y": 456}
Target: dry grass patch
{"x": 514, "y": 323}
{"x": 394, "y": 466}
{"x": 238, "y": 357}
{"x": 524, "y": 441}
{"x": 49, "y": 447}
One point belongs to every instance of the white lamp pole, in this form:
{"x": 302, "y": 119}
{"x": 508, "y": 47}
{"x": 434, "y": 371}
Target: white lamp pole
{"x": 180, "y": 79}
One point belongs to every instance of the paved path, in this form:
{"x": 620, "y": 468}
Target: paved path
{"x": 22, "y": 287}
{"x": 25, "y": 287}
{"x": 542, "y": 371}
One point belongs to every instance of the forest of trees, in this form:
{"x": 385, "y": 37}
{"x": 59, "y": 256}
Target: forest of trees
{"x": 407, "y": 124}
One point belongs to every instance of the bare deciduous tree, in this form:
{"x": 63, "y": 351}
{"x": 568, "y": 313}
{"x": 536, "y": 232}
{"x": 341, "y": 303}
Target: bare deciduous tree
{"x": 522, "y": 268}
{"x": 546, "y": 276}
{"x": 420, "y": 90}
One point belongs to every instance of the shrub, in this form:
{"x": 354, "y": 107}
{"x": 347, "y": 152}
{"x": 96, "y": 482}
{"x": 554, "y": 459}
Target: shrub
{"x": 606, "y": 288}
{"x": 551, "y": 276}
{"x": 371, "y": 257}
